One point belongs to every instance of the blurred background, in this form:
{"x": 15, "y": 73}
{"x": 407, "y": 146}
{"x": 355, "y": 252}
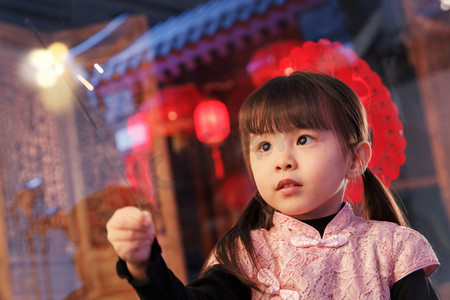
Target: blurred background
{"x": 110, "y": 103}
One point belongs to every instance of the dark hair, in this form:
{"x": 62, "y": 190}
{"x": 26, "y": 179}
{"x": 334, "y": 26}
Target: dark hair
{"x": 302, "y": 100}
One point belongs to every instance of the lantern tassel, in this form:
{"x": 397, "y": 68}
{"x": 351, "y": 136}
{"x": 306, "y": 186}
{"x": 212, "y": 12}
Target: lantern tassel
{"x": 218, "y": 164}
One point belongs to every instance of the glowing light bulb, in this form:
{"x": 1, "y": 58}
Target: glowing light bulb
{"x": 172, "y": 115}
{"x": 59, "y": 51}
{"x": 41, "y": 58}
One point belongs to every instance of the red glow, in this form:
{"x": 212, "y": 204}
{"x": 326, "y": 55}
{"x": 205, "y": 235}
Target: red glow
{"x": 211, "y": 121}
{"x": 178, "y": 102}
{"x": 265, "y": 61}
{"x": 138, "y": 173}
{"x": 218, "y": 164}
{"x": 139, "y": 132}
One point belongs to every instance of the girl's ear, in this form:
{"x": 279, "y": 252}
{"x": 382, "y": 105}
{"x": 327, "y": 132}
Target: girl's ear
{"x": 362, "y": 153}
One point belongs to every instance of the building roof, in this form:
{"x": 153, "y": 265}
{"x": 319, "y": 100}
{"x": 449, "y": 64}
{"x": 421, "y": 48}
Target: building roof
{"x": 215, "y": 26}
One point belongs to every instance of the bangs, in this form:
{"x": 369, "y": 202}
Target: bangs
{"x": 283, "y": 105}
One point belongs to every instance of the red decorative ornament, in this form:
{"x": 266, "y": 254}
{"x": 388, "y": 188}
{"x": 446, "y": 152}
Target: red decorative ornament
{"x": 387, "y": 130}
{"x": 264, "y": 61}
{"x": 212, "y": 127}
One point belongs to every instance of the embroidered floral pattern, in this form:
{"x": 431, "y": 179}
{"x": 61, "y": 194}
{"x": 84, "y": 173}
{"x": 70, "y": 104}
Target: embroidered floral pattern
{"x": 268, "y": 279}
{"x": 355, "y": 259}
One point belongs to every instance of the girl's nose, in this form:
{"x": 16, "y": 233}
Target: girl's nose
{"x": 286, "y": 161}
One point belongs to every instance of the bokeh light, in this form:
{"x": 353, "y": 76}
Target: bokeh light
{"x": 172, "y": 115}
{"x": 45, "y": 77}
{"x": 41, "y": 58}
{"x": 445, "y": 5}
{"x": 48, "y": 64}
{"x": 44, "y": 67}
{"x": 59, "y": 69}
{"x": 59, "y": 51}
{"x": 98, "y": 68}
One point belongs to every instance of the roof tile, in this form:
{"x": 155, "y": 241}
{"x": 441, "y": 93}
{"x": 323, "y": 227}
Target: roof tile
{"x": 189, "y": 27}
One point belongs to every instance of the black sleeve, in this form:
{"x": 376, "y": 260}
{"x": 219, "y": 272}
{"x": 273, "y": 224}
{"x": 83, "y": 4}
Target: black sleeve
{"x": 216, "y": 283}
{"x": 414, "y": 286}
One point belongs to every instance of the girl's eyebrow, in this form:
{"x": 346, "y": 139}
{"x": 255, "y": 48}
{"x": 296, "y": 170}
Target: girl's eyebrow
{"x": 313, "y": 130}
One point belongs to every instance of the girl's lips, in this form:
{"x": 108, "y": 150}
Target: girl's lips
{"x": 288, "y": 184}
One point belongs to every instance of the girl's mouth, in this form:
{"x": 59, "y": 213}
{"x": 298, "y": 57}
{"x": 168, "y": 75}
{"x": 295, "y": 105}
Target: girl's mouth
{"x": 287, "y": 183}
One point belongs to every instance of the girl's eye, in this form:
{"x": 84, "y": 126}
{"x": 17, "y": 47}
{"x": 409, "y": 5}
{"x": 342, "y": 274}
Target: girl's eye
{"x": 304, "y": 140}
{"x": 264, "y": 147}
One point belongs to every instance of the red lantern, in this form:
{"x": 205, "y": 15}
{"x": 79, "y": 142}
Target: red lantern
{"x": 212, "y": 127}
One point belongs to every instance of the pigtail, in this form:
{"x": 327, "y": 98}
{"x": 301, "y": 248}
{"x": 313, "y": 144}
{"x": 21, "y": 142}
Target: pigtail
{"x": 258, "y": 214}
{"x": 379, "y": 203}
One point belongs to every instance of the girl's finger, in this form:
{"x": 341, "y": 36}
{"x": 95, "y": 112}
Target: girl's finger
{"x": 130, "y": 235}
{"x": 130, "y": 218}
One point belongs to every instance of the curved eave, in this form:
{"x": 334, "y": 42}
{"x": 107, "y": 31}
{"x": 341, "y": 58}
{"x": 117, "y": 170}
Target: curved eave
{"x": 182, "y": 42}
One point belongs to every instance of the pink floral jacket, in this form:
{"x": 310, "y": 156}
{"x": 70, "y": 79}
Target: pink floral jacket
{"x": 355, "y": 259}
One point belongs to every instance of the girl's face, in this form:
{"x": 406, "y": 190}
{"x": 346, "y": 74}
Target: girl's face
{"x": 301, "y": 173}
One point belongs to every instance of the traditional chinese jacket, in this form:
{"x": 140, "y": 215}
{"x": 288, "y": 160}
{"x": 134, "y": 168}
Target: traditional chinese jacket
{"x": 355, "y": 258}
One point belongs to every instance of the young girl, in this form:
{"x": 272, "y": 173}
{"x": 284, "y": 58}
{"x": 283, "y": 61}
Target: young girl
{"x": 304, "y": 138}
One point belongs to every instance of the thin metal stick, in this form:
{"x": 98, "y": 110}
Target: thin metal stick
{"x": 90, "y": 119}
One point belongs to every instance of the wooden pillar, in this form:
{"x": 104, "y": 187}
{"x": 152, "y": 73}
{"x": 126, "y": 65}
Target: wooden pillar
{"x": 171, "y": 234}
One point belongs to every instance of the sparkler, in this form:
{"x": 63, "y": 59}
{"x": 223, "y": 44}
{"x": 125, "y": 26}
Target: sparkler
{"x": 85, "y": 112}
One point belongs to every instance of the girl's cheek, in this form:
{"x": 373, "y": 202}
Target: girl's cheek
{"x": 258, "y": 156}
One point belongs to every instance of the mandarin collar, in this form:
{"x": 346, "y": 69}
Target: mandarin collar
{"x": 296, "y": 227}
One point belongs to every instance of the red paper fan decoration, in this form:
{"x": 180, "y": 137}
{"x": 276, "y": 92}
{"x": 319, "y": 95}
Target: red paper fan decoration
{"x": 387, "y": 130}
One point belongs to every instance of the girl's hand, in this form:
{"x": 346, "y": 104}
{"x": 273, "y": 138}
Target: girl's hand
{"x": 131, "y": 233}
